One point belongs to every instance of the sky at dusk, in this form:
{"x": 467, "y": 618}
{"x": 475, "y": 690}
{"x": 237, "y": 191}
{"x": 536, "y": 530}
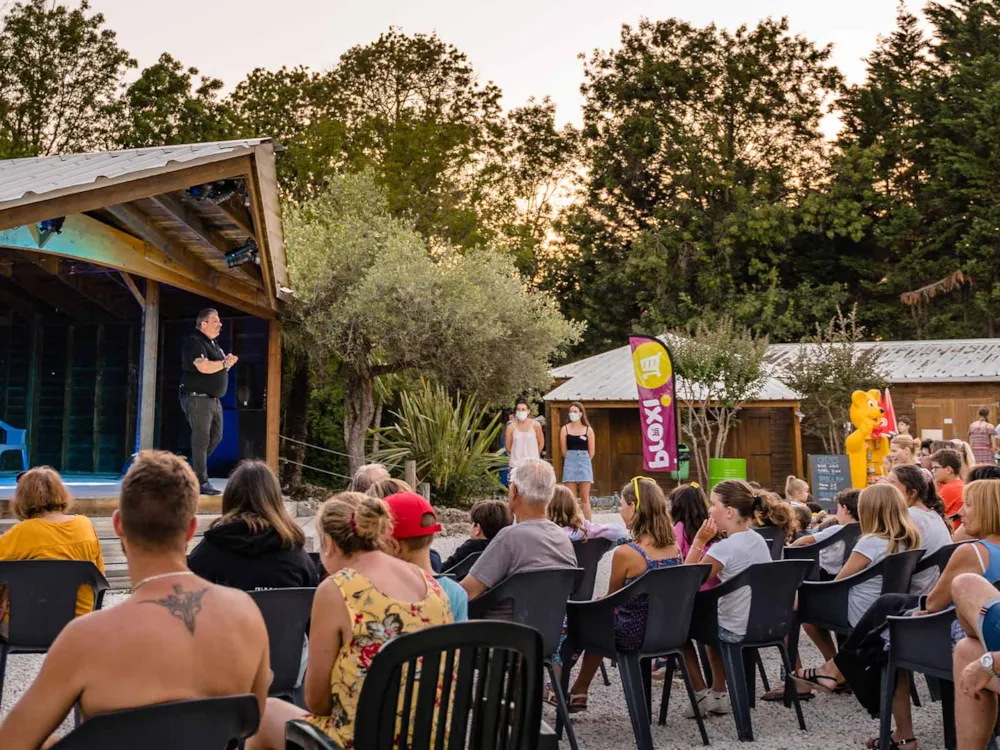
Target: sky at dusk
{"x": 527, "y": 47}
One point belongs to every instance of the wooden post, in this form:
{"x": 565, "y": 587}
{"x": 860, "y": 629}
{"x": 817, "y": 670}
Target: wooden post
{"x": 555, "y": 444}
{"x": 797, "y": 466}
{"x": 131, "y": 396}
{"x": 410, "y": 473}
{"x": 34, "y": 388}
{"x": 273, "y": 393}
{"x": 67, "y": 400}
{"x": 147, "y": 365}
{"x": 98, "y": 398}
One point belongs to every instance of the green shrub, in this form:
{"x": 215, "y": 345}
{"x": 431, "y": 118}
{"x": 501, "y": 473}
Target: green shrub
{"x": 452, "y": 440}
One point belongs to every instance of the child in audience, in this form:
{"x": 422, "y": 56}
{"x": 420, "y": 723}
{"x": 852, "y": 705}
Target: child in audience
{"x": 689, "y": 510}
{"x": 803, "y": 520}
{"x": 488, "y": 517}
{"x": 796, "y": 490}
{"x": 735, "y": 505}
{"x": 413, "y": 529}
{"x": 886, "y": 529}
{"x": 771, "y": 511}
{"x": 946, "y": 465}
{"x": 564, "y": 511}
{"x": 369, "y": 598}
{"x": 644, "y": 510}
{"x": 927, "y": 513}
{"x": 831, "y": 558}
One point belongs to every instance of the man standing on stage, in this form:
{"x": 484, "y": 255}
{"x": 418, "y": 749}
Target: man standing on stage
{"x": 203, "y": 382}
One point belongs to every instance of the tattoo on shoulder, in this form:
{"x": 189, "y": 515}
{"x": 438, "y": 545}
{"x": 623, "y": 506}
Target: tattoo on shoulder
{"x": 184, "y": 605}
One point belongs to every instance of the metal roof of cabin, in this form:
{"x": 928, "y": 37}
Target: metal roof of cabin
{"x": 27, "y": 179}
{"x": 609, "y": 376}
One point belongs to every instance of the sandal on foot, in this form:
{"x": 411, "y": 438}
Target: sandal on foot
{"x": 577, "y": 703}
{"x": 873, "y": 743}
{"x": 549, "y": 696}
{"x": 777, "y": 695}
{"x": 810, "y": 679}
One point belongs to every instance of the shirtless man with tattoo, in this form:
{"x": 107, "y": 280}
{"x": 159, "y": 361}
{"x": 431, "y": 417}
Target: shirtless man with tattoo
{"x": 177, "y": 637}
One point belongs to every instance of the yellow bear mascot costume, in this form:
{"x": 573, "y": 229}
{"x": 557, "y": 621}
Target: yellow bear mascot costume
{"x": 865, "y": 452}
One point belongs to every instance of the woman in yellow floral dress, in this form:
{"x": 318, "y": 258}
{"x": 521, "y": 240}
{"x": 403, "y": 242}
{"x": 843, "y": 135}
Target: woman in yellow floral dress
{"x": 368, "y": 599}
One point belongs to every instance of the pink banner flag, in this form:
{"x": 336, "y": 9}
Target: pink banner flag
{"x": 654, "y": 377}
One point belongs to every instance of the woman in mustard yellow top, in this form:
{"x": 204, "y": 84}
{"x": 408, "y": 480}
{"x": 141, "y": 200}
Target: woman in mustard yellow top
{"x": 369, "y": 599}
{"x": 47, "y": 532}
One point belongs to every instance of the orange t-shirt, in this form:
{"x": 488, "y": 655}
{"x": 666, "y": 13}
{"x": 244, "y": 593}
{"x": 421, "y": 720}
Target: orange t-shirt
{"x": 38, "y": 539}
{"x": 951, "y": 494}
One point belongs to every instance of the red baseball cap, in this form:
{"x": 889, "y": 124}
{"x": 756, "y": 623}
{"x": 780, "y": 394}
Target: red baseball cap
{"x": 408, "y": 510}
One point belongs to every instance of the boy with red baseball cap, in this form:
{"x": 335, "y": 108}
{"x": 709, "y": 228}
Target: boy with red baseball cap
{"x": 414, "y": 527}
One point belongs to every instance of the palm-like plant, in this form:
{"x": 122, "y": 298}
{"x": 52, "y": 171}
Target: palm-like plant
{"x": 451, "y": 438}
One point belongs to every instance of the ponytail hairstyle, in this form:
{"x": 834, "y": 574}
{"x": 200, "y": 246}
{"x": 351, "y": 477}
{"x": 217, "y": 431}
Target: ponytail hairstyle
{"x": 883, "y": 513}
{"x": 794, "y": 484}
{"x": 355, "y": 522}
{"x": 849, "y": 499}
{"x": 563, "y": 510}
{"x": 908, "y": 444}
{"x": 915, "y": 480}
{"x": 689, "y": 506}
{"x": 771, "y": 511}
{"x": 740, "y": 496}
{"x": 652, "y": 518}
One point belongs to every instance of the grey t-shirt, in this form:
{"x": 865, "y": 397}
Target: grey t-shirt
{"x": 934, "y": 534}
{"x": 529, "y": 545}
{"x": 737, "y": 553}
{"x": 831, "y": 558}
{"x": 864, "y": 594}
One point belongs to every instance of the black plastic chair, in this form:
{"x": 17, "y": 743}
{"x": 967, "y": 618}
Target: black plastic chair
{"x": 588, "y": 556}
{"x": 207, "y": 724}
{"x": 824, "y": 603}
{"x": 42, "y": 596}
{"x": 314, "y": 556}
{"x": 775, "y": 537}
{"x": 670, "y": 595}
{"x": 772, "y": 616}
{"x": 461, "y": 569}
{"x": 286, "y": 614}
{"x": 492, "y": 677}
{"x": 538, "y": 599}
{"x": 920, "y": 644}
{"x": 848, "y": 534}
{"x": 938, "y": 559}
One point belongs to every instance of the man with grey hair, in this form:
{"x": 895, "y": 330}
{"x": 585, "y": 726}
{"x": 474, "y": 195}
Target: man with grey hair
{"x": 366, "y": 476}
{"x": 204, "y": 380}
{"x": 534, "y": 542}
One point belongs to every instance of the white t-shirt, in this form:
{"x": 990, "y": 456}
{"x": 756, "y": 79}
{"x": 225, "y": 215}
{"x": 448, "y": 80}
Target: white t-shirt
{"x": 934, "y": 534}
{"x": 737, "y": 553}
{"x": 863, "y": 595}
{"x": 831, "y": 559}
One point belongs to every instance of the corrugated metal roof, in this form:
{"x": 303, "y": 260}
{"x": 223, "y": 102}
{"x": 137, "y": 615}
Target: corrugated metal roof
{"x": 945, "y": 361}
{"x": 609, "y": 377}
{"x": 23, "y": 180}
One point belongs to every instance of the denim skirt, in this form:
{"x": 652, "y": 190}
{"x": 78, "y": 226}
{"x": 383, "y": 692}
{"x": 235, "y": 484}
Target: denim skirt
{"x": 577, "y": 467}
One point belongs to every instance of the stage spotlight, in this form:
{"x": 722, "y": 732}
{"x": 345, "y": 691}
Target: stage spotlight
{"x": 52, "y": 226}
{"x": 247, "y": 253}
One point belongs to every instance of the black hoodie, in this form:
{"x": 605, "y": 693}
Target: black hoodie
{"x": 231, "y": 555}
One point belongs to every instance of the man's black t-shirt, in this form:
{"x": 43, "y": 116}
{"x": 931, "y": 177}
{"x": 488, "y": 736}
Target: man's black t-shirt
{"x": 214, "y": 384}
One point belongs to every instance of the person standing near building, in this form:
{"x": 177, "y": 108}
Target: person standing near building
{"x": 204, "y": 380}
{"x": 981, "y": 435}
{"x": 524, "y": 437}
{"x": 577, "y": 443}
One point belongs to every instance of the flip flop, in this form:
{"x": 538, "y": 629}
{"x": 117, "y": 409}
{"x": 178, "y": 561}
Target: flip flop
{"x": 778, "y": 695}
{"x": 809, "y": 679}
{"x": 577, "y": 703}
{"x": 873, "y": 743}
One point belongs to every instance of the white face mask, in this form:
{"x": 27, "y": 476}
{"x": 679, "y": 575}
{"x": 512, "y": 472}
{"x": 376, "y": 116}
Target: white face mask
{"x": 574, "y": 416}
{"x": 522, "y": 415}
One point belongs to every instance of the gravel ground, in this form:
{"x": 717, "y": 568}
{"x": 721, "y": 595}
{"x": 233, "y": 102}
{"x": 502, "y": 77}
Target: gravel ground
{"x": 832, "y": 721}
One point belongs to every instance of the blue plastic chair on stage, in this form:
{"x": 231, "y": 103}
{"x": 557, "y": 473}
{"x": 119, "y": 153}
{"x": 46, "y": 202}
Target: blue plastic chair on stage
{"x": 14, "y": 442}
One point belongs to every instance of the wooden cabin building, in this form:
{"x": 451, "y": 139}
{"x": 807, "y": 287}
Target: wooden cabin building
{"x": 105, "y": 260}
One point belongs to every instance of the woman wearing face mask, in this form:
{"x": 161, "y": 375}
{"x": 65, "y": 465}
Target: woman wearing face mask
{"x": 577, "y": 439}
{"x": 524, "y": 435}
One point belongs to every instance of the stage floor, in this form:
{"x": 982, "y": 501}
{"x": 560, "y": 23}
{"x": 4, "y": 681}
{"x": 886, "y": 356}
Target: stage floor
{"x": 84, "y": 486}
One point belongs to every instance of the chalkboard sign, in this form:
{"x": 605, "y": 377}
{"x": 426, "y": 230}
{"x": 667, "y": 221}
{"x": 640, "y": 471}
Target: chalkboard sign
{"x": 829, "y": 475}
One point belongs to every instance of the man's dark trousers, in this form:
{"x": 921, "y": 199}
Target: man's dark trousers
{"x": 204, "y": 414}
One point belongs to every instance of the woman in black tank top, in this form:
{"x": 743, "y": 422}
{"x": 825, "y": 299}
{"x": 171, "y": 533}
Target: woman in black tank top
{"x": 578, "y": 453}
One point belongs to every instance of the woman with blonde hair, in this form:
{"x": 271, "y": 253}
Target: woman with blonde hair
{"x": 369, "y": 598}
{"x": 47, "y": 530}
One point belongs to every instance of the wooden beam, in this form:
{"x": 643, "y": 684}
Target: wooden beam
{"x": 797, "y": 466}
{"x": 555, "y": 443}
{"x": 87, "y": 239}
{"x": 67, "y": 401}
{"x": 273, "y": 393}
{"x": 264, "y": 202}
{"x": 78, "y": 199}
{"x": 239, "y": 216}
{"x": 210, "y": 237}
{"x": 34, "y": 387}
{"x": 98, "y": 401}
{"x": 131, "y": 394}
{"x": 147, "y": 375}
{"x": 132, "y": 287}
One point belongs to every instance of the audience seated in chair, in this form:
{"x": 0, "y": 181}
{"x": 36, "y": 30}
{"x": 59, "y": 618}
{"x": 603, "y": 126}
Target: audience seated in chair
{"x": 533, "y": 543}
{"x": 414, "y": 525}
{"x": 255, "y": 543}
{"x": 831, "y": 559}
{"x": 369, "y": 598}
{"x": 976, "y": 661}
{"x": 46, "y": 531}
{"x": 862, "y": 655}
{"x": 177, "y": 637}
{"x": 565, "y": 512}
{"x": 487, "y": 517}
{"x": 366, "y": 476}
